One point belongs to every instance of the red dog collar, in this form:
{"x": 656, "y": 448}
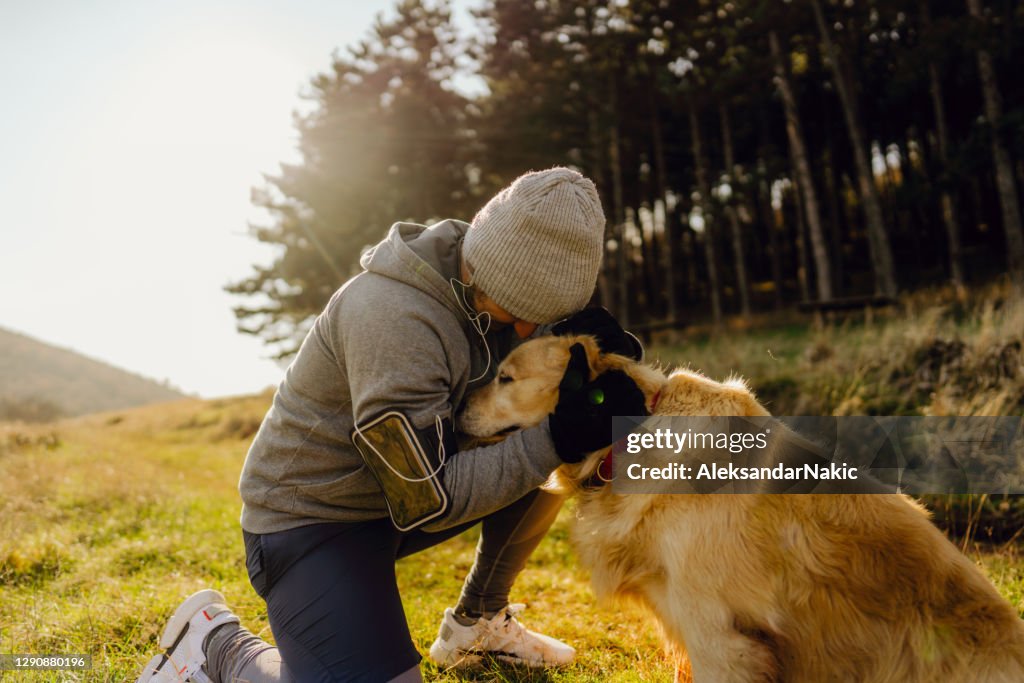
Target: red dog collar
{"x": 606, "y": 469}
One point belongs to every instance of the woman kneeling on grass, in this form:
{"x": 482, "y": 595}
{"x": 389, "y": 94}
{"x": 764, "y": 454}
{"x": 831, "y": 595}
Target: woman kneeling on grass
{"x": 336, "y": 488}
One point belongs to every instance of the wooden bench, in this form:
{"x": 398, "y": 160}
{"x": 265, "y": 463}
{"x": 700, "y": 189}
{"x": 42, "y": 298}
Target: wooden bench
{"x": 849, "y": 303}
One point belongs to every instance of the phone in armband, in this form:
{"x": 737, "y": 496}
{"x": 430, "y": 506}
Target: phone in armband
{"x": 408, "y": 470}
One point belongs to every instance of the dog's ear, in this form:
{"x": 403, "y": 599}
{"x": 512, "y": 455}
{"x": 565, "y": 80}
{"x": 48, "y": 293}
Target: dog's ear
{"x": 751, "y": 407}
{"x": 746, "y": 403}
{"x": 594, "y": 356}
{"x": 560, "y": 353}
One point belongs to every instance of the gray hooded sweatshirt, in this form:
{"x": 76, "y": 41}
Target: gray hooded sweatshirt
{"x": 391, "y": 338}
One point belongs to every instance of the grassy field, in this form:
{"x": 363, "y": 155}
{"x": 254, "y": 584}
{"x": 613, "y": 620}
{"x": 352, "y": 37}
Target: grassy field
{"x": 107, "y": 521}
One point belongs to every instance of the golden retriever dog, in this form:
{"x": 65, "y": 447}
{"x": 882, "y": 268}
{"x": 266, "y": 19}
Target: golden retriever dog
{"x": 759, "y": 587}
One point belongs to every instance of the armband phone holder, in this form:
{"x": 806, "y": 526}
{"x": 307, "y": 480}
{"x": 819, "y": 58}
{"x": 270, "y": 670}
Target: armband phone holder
{"x": 407, "y": 467}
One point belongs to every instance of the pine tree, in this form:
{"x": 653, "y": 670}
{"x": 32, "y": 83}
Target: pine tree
{"x": 388, "y": 139}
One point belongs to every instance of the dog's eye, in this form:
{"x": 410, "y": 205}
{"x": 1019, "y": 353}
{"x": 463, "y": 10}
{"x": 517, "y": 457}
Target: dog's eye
{"x": 504, "y": 379}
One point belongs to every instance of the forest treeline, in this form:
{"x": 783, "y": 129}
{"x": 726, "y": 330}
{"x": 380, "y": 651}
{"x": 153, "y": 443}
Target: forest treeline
{"x": 749, "y": 153}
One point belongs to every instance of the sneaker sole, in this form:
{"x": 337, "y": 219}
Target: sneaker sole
{"x": 178, "y": 624}
{"x": 447, "y": 658}
{"x": 465, "y": 658}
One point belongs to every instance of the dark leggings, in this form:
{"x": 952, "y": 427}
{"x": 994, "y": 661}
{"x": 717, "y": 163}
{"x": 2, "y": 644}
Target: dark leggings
{"x": 333, "y": 602}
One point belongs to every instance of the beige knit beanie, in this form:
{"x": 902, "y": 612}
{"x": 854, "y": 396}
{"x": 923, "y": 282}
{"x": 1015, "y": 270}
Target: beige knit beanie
{"x": 536, "y": 248}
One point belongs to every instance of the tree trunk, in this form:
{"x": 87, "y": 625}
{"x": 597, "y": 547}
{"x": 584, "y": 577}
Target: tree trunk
{"x": 596, "y": 157}
{"x": 946, "y": 204}
{"x": 878, "y": 239}
{"x": 618, "y": 210}
{"x": 690, "y": 262}
{"x": 768, "y": 218}
{"x": 730, "y": 212}
{"x": 835, "y": 216}
{"x": 705, "y": 202}
{"x": 803, "y": 176}
{"x": 660, "y": 175}
{"x": 1008, "y": 201}
{"x": 648, "y": 294}
{"x": 803, "y": 267}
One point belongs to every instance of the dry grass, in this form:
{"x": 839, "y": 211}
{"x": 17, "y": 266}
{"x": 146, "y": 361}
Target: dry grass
{"x": 107, "y": 521}
{"x": 931, "y": 355}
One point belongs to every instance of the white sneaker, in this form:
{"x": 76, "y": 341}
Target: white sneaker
{"x": 501, "y": 637}
{"x": 158, "y": 670}
{"x": 183, "y": 637}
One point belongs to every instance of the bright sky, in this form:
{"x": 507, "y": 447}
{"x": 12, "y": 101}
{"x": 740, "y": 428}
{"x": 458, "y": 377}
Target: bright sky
{"x": 130, "y": 136}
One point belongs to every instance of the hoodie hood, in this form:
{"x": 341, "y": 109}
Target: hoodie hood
{"x": 424, "y": 257}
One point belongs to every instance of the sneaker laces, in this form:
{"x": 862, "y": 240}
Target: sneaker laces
{"x": 505, "y": 626}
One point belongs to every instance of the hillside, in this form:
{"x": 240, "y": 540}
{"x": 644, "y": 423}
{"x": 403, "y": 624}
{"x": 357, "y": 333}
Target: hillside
{"x": 39, "y": 381}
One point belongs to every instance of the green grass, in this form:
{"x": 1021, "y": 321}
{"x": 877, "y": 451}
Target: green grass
{"x": 107, "y": 522}
{"x": 106, "y": 528}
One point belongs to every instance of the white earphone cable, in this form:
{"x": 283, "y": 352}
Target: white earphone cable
{"x": 474, "y": 320}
